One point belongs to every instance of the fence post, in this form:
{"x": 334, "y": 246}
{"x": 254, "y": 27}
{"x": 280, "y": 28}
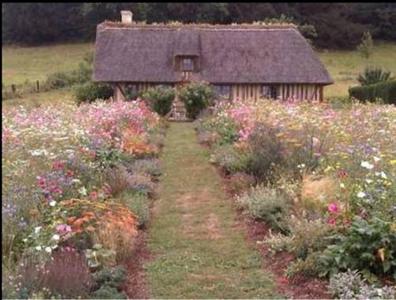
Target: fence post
{"x": 38, "y": 86}
{"x": 13, "y": 88}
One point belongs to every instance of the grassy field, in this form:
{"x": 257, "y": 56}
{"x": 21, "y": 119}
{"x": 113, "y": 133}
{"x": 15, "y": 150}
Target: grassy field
{"x": 344, "y": 66}
{"x": 32, "y": 63}
{"x": 38, "y": 99}
{"x": 35, "y": 63}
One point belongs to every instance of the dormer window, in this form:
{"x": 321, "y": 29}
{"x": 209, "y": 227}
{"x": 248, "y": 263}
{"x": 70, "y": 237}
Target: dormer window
{"x": 187, "y": 64}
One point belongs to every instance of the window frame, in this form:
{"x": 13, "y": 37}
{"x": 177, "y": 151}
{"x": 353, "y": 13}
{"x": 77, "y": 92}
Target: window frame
{"x": 190, "y": 67}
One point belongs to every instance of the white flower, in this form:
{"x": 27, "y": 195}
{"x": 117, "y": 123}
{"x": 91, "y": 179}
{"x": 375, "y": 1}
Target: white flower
{"x": 367, "y": 165}
{"x": 83, "y": 191}
{"x": 48, "y": 249}
{"x": 361, "y": 194}
{"x": 342, "y": 185}
{"x": 38, "y": 248}
{"x": 376, "y": 159}
{"x": 37, "y": 229}
{"x": 369, "y": 181}
{"x": 56, "y": 237}
{"x": 383, "y": 175}
{"x": 52, "y": 203}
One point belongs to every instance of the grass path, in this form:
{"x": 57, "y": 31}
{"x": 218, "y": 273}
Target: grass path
{"x": 199, "y": 250}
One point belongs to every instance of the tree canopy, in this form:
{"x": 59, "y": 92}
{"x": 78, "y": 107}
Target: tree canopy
{"x": 338, "y": 25}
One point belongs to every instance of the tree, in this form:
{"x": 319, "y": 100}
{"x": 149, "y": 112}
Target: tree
{"x": 366, "y": 46}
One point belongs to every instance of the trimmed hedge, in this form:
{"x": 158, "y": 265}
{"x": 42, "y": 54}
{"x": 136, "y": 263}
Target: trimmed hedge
{"x": 384, "y": 90}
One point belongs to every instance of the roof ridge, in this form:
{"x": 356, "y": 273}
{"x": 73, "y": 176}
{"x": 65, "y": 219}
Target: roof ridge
{"x": 174, "y": 25}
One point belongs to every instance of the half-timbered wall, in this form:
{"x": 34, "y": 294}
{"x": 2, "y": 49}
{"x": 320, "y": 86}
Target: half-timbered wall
{"x": 279, "y": 91}
{"x": 245, "y": 91}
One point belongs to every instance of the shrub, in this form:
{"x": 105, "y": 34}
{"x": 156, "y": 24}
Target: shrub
{"x": 306, "y": 241}
{"x": 142, "y": 184}
{"x": 383, "y": 90}
{"x": 108, "y": 292}
{"x": 373, "y": 75}
{"x": 196, "y": 97}
{"x": 267, "y": 204}
{"x": 160, "y": 99}
{"x": 351, "y": 285}
{"x": 60, "y": 80}
{"x": 230, "y": 159}
{"x": 266, "y": 152}
{"x": 111, "y": 276}
{"x": 367, "y": 245}
{"x": 91, "y": 91}
{"x": 147, "y": 166}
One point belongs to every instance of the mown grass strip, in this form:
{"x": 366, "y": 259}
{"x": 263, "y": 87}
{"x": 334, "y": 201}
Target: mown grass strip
{"x": 199, "y": 251}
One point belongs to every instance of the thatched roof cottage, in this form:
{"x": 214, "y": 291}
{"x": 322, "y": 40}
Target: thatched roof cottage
{"x": 241, "y": 61}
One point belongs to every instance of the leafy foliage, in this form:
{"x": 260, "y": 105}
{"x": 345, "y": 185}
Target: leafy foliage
{"x": 267, "y": 204}
{"x": 91, "y": 91}
{"x": 351, "y": 285}
{"x": 196, "y": 97}
{"x": 160, "y": 99}
{"x": 384, "y": 91}
{"x": 367, "y": 245}
{"x": 374, "y": 75}
{"x": 337, "y": 25}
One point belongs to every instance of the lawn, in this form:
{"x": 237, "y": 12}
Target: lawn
{"x": 344, "y": 66}
{"x": 35, "y": 63}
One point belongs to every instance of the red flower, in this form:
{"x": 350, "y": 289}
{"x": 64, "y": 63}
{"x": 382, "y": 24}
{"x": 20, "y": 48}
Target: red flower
{"x": 342, "y": 174}
{"x": 331, "y": 221}
{"x": 58, "y": 165}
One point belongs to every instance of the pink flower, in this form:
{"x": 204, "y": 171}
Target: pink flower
{"x": 93, "y": 195}
{"x": 333, "y": 208}
{"x": 331, "y": 221}
{"x": 63, "y": 228}
{"x": 41, "y": 182}
{"x": 58, "y": 165}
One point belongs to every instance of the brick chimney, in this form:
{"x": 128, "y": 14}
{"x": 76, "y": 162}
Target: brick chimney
{"x": 126, "y": 16}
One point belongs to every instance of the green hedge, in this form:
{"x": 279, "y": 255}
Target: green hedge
{"x": 384, "y": 90}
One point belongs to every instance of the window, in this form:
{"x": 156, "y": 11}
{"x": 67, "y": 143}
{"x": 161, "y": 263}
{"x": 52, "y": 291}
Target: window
{"x": 187, "y": 64}
{"x": 269, "y": 91}
{"x": 223, "y": 91}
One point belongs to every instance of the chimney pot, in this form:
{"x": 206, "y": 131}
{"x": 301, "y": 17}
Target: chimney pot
{"x": 126, "y": 16}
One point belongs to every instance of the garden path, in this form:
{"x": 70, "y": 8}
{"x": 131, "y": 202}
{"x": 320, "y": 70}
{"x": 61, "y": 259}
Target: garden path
{"x": 199, "y": 250}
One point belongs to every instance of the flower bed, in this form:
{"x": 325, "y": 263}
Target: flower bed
{"x": 325, "y": 180}
{"x": 75, "y": 180}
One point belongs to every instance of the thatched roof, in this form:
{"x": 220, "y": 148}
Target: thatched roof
{"x": 228, "y": 53}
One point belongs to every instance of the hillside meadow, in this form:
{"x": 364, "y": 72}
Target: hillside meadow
{"x": 35, "y": 63}
{"x": 20, "y": 64}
